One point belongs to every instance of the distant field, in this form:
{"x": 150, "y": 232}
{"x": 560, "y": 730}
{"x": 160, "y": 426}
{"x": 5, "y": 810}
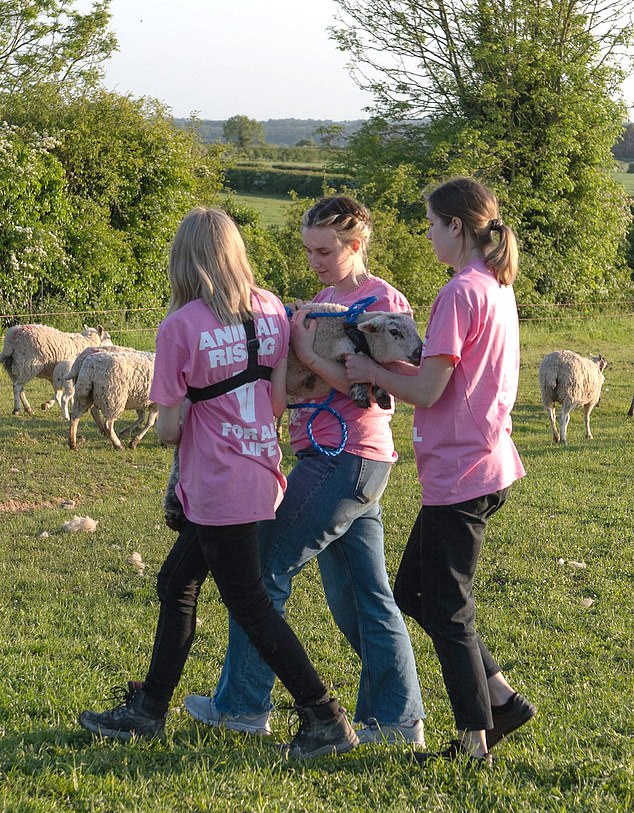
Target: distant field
{"x": 627, "y": 179}
{"x": 271, "y": 209}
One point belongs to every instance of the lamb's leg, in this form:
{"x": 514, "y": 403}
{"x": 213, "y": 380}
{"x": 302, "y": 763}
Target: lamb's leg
{"x": 112, "y": 434}
{"x": 77, "y": 411}
{"x": 564, "y": 420}
{"x": 360, "y": 394}
{"x": 19, "y": 398}
{"x": 151, "y": 420}
{"x": 132, "y": 427}
{"x": 57, "y": 394}
{"x": 172, "y": 508}
{"x": 631, "y": 410}
{"x": 553, "y": 422}
{"x": 96, "y": 416}
{"x": 382, "y": 397}
{"x": 587, "y": 409}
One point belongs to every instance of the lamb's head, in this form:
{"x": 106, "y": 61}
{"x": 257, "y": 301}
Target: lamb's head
{"x": 97, "y": 334}
{"x": 600, "y": 362}
{"x": 392, "y": 337}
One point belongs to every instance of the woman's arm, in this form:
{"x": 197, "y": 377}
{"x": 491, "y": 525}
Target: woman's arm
{"x": 278, "y": 388}
{"x": 422, "y": 390}
{"x": 168, "y": 425}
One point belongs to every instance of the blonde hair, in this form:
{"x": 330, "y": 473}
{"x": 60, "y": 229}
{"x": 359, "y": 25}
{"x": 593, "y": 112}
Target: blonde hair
{"x": 349, "y": 219}
{"x": 477, "y": 208}
{"x": 208, "y": 261}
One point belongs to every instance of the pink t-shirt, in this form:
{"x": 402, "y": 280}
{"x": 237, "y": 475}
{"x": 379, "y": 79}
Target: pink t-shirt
{"x": 463, "y": 442}
{"x": 369, "y": 433}
{"x": 229, "y": 454}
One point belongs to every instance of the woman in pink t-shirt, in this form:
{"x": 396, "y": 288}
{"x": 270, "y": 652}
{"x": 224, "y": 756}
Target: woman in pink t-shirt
{"x": 463, "y": 391}
{"x": 220, "y": 382}
{"x": 331, "y": 511}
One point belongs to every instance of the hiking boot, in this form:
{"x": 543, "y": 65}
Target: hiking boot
{"x": 454, "y": 752}
{"x": 507, "y": 718}
{"x": 323, "y": 729}
{"x": 131, "y": 718}
{"x": 204, "y": 710}
{"x": 410, "y": 731}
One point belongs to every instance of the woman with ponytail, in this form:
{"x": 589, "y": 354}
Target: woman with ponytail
{"x": 463, "y": 393}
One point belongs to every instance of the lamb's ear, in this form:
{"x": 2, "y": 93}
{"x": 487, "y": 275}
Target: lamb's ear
{"x": 373, "y": 325}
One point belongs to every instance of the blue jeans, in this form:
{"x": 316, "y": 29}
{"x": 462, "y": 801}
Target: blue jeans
{"x": 331, "y": 510}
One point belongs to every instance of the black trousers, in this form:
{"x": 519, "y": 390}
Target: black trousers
{"x": 231, "y": 554}
{"x": 434, "y": 585}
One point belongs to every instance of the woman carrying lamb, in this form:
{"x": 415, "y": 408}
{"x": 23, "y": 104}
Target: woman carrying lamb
{"x": 331, "y": 511}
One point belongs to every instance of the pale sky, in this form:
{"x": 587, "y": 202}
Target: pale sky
{"x": 265, "y": 59}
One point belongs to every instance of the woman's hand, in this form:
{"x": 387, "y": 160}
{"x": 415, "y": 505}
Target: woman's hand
{"x": 303, "y": 337}
{"x": 360, "y": 369}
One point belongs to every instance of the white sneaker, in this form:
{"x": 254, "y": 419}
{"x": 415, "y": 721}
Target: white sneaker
{"x": 203, "y": 709}
{"x": 409, "y": 731}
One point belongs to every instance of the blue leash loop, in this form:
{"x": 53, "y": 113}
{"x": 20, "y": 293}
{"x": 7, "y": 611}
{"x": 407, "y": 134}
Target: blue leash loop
{"x": 350, "y": 316}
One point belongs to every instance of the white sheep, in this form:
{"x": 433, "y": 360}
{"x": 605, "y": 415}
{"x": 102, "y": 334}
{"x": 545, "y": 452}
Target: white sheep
{"x": 571, "y": 380}
{"x": 63, "y": 388}
{"x": 109, "y": 383}
{"x": 32, "y": 351}
{"x": 389, "y": 336}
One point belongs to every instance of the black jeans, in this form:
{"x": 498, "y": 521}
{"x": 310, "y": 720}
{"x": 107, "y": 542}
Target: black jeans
{"x": 434, "y": 585}
{"x": 231, "y": 554}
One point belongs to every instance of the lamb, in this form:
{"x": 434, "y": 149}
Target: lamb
{"x": 110, "y": 383}
{"x": 32, "y": 351}
{"x": 389, "y": 337}
{"x": 573, "y": 381}
{"x": 63, "y": 387}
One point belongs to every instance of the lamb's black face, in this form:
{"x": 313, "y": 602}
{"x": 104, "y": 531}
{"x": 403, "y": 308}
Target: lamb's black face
{"x": 414, "y": 357}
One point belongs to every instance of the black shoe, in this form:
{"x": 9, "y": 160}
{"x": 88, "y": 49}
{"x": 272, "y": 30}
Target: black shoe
{"x": 323, "y": 729}
{"x": 513, "y": 714}
{"x": 454, "y": 752}
{"x": 130, "y": 718}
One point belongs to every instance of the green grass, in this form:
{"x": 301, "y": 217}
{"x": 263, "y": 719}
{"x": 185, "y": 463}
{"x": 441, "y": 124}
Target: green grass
{"x": 270, "y": 208}
{"x": 627, "y": 179}
{"x": 76, "y": 619}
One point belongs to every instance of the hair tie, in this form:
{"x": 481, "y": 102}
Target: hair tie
{"x": 495, "y": 224}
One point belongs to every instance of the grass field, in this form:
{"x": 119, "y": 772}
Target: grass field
{"x": 270, "y": 208}
{"x": 77, "y": 618}
{"x": 627, "y": 179}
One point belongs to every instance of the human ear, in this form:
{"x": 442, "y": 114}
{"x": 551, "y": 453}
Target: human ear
{"x": 456, "y": 224}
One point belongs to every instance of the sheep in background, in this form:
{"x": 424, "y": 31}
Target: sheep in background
{"x": 109, "y": 383}
{"x": 63, "y": 387}
{"x": 573, "y": 381}
{"x": 389, "y": 336}
{"x": 32, "y": 351}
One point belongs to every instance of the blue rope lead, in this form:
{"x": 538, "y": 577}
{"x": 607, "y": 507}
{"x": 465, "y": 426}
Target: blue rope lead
{"x": 323, "y": 407}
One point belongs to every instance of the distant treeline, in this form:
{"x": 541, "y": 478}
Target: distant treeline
{"x": 285, "y": 132}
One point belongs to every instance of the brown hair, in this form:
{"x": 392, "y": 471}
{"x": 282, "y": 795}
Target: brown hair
{"x": 477, "y": 208}
{"x": 208, "y": 261}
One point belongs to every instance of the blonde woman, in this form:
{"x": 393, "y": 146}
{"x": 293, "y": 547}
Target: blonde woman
{"x": 219, "y": 381}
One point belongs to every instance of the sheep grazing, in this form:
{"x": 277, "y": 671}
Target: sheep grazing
{"x": 389, "y": 336}
{"x": 32, "y": 351}
{"x": 572, "y": 381}
{"x": 109, "y": 383}
{"x": 63, "y": 388}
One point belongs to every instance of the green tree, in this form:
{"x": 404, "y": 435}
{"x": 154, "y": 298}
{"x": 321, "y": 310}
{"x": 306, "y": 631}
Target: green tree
{"x": 243, "y": 132}
{"x": 523, "y": 94}
{"x": 48, "y": 42}
{"x": 128, "y": 176}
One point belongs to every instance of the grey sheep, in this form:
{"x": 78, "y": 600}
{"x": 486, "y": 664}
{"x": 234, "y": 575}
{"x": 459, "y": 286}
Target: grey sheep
{"x": 572, "y": 381}
{"x": 32, "y": 351}
{"x": 109, "y": 383}
{"x": 390, "y": 337}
